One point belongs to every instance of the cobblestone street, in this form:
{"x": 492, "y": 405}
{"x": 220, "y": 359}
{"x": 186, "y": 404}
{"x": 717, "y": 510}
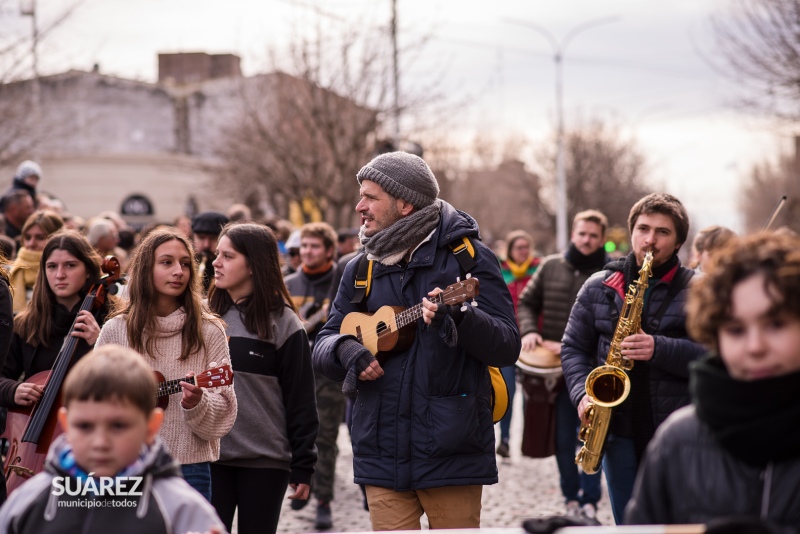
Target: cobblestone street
{"x": 528, "y": 488}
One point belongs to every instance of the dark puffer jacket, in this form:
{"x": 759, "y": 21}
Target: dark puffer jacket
{"x": 687, "y": 477}
{"x": 590, "y": 330}
{"x": 553, "y": 302}
{"x": 428, "y": 421}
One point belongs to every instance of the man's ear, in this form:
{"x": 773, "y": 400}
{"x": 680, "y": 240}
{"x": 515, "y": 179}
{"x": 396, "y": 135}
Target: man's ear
{"x": 405, "y": 208}
{"x": 153, "y": 424}
{"x": 62, "y": 418}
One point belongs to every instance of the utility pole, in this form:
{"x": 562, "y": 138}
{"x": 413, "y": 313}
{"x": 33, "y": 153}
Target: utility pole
{"x": 395, "y": 77}
{"x": 559, "y": 49}
{"x": 27, "y": 8}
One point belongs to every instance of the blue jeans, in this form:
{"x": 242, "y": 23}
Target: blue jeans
{"x": 619, "y": 465}
{"x": 510, "y": 376}
{"x": 198, "y": 476}
{"x": 575, "y": 484}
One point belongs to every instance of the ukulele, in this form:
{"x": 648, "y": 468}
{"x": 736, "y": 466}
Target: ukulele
{"x": 391, "y": 328}
{"x": 210, "y": 378}
{"x": 319, "y": 316}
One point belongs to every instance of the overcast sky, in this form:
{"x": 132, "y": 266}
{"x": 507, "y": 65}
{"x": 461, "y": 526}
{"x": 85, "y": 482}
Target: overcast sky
{"x": 644, "y": 69}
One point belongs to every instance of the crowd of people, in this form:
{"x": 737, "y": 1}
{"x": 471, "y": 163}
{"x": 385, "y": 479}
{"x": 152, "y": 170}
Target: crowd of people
{"x": 372, "y": 327}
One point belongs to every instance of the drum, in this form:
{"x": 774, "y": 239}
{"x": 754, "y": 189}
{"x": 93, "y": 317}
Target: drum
{"x": 542, "y": 380}
{"x": 539, "y": 362}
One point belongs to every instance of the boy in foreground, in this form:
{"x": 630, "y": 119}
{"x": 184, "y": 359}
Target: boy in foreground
{"x": 108, "y": 472}
{"x": 734, "y": 454}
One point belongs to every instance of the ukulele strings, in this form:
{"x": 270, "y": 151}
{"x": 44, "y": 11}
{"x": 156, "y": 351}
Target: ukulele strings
{"x": 170, "y": 387}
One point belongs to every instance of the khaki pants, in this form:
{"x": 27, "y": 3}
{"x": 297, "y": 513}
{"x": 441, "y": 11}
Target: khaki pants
{"x": 447, "y": 507}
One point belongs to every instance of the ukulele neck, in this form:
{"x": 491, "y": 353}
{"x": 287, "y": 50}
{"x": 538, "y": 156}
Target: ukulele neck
{"x": 413, "y": 313}
{"x": 170, "y": 387}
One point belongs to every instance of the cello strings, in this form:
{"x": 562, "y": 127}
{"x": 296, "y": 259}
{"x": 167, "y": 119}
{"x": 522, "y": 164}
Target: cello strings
{"x": 39, "y": 415}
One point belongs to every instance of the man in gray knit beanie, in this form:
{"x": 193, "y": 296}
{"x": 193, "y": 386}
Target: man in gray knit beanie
{"x": 422, "y": 432}
{"x": 399, "y": 205}
{"x": 404, "y": 176}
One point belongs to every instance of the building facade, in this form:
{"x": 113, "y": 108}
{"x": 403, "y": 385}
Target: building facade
{"x": 144, "y": 148}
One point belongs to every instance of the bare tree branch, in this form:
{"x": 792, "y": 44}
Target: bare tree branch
{"x": 758, "y": 43}
{"x": 604, "y": 169}
{"x": 305, "y": 132}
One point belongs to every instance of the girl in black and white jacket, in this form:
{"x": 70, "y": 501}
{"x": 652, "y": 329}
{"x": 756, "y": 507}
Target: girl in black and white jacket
{"x": 271, "y": 445}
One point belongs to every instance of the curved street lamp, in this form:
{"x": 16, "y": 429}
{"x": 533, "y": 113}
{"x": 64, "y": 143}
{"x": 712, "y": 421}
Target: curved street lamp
{"x": 559, "y": 49}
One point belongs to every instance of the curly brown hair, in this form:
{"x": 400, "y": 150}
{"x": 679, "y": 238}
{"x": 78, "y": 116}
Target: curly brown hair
{"x": 776, "y": 257}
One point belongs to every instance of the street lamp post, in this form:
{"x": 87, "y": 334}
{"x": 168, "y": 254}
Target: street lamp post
{"x": 558, "y": 57}
{"x": 27, "y": 8}
{"x": 395, "y": 78}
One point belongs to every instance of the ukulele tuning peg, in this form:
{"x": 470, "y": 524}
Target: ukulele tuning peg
{"x": 474, "y": 303}
{"x": 463, "y": 308}
{"x": 458, "y": 278}
{"x": 469, "y": 275}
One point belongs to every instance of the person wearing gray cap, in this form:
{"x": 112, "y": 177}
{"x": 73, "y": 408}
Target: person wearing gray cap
{"x": 206, "y": 227}
{"x": 25, "y": 179}
{"x": 422, "y": 431}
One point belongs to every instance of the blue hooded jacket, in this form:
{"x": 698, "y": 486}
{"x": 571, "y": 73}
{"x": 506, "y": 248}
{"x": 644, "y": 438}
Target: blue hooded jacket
{"x": 427, "y": 422}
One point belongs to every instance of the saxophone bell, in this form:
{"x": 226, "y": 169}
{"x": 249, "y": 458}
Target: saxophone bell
{"x": 608, "y": 386}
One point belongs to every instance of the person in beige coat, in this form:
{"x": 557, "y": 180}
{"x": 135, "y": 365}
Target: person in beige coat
{"x": 165, "y": 320}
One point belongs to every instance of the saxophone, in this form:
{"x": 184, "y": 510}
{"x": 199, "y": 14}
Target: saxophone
{"x": 609, "y": 384}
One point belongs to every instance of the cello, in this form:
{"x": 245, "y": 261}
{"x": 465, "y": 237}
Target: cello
{"x": 31, "y": 430}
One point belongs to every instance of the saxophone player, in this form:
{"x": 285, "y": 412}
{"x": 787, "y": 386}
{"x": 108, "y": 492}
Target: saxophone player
{"x": 661, "y": 350}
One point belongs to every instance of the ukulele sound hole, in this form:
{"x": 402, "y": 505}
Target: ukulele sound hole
{"x": 381, "y": 328}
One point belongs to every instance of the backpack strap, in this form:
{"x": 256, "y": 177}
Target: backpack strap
{"x": 363, "y": 282}
{"x": 465, "y": 254}
{"x": 462, "y": 250}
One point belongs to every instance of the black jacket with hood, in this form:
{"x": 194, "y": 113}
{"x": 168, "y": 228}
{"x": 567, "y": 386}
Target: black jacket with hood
{"x": 427, "y": 422}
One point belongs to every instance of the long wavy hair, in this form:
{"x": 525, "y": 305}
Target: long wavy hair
{"x": 260, "y": 248}
{"x": 34, "y": 323}
{"x": 140, "y": 309}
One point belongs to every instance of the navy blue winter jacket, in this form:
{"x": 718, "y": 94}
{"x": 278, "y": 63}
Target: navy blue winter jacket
{"x": 591, "y": 327}
{"x": 428, "y": 421}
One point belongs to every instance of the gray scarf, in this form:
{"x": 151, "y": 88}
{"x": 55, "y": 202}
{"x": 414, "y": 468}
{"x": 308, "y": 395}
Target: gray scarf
{"x": 390, "y": 244}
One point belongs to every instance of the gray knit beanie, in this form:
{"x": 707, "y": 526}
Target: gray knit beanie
{"x": 28, "y": 168}
{"x": 402, "y": 175}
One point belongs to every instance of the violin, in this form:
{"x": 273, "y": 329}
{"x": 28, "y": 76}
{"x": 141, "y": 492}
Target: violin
{"x": 31, "y": 430}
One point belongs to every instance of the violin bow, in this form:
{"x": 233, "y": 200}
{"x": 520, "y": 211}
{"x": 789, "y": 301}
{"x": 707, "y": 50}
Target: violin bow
{"x": 775, "y": 212}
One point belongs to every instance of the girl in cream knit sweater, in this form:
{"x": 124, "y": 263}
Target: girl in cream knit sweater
{"x": 164, "y": 320}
